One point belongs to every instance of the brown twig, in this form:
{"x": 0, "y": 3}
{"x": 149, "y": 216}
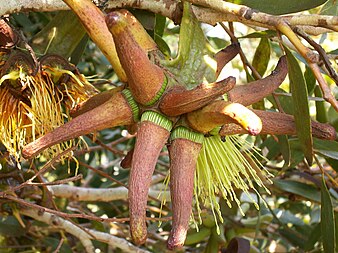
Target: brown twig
{"x": 321, "y": 52}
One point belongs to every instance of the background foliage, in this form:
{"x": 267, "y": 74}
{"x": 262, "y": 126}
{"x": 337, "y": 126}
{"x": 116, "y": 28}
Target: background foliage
{"x": 300, "y": 215}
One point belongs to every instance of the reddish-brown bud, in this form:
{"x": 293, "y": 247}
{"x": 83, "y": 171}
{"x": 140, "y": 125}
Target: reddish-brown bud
{"x": 255, "y": 91}
{"x": 281, "y": 124}
{"x": 220, "y": 112}
{"x": 226, "y": 55}
{"x": 115, "y": 112}
{"x": 145, "y": 79}
{"x": 183, "y": 159}
{"x": 149, "y": 142}
{"x": 93, "y": 20}
{"x": 178, "y": 101}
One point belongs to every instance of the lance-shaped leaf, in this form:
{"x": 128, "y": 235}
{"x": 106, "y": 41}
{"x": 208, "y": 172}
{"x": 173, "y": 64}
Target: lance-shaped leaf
{"x": 60, "y": 36}
{"x": 178, "y": 100}
{"x": 262, "y": 56}
{"x": 220, "y": 112}
{"x": 281, "y": 124}
{"x": 301, "y": 106}
{"x": 152, "y": 135}
{"x": 93, "y": 20}
{"x": 116, "y": 111}
{"x": 146, "y": 80}
{"x": 255, "y": 91}
{"x": 327, "y": 220}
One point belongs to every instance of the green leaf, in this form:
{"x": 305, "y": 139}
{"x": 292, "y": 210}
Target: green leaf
{"x": 9, "y": 226}
{"x": 310, "y": 80}
{"x": 285, "y": 149}
{"x": 194, "y": 61}
{"x": 263, "y": 34}
{"x": 313, "y": 238}
{"x": 321, "y": 112}
{"x": 160, "y": 22}
{"x": 327, "y": 220}
{"x": 196, "y": 237}
{"x": 61, "y": 36}
{"x": 326, "y": 148}
{"x": 301, "y": 106}
{"x": 262, "y": 56}
{"x": 305, "y": 190}
{"x": 330, "y": 8}
{"x": 280, "y": 7}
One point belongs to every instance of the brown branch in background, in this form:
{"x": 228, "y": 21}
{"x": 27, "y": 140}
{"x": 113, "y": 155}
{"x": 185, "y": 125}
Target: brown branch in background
{"x": 327, "y": 93}
{"x": 246, "y": 63}
{"x": 321, "y": 52}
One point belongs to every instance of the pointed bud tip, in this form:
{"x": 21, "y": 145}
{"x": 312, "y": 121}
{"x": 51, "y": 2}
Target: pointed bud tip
{"x": 112, "y": 18}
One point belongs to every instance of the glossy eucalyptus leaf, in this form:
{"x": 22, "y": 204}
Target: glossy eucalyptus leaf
{"x": 321, "y": 112}
{"x": 262, "y": 56}
{"x": 326, "y": 148}
{"x": 314, "y": 237}
{"x": 294, "y": 237}
{"x": 280, "y": 7}
{"x": 327, "y": 220}
{"x": 285, "y": 149}
{"x": 301, "y": 106}
{"x": 310, "y": 80}
{"x": 262, "y": 34}
{"x": 302, "y": 189}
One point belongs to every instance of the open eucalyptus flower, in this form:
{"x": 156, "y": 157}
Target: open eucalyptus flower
{"x": 36, "y": 97}
{"x": 188, "y": 117}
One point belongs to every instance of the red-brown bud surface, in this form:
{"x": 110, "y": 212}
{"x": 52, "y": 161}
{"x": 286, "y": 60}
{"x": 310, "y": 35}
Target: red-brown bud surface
{"x": 145, "y": 79}
{"x": 150, "y": 140}
{"x": 179, "y": 101}
{"x": 255, "y": 91}
{"x": 115, "y": 112}
{"x": 183, "y": 159}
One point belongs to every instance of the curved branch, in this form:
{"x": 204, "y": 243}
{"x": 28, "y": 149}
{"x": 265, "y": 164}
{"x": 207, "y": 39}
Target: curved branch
{"x": 172, "y": 9}
{"x": 95, "y": 194}
{"x": 84, "y": 235}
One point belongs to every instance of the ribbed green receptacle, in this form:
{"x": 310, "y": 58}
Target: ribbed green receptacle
{"x": 182, "y": 132}
{"x": 159, "y": 93}
{"x": 157, "y": 119}
{"x": 133, "y": 105}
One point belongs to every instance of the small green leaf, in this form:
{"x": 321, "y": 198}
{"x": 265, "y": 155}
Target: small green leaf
{"x": 313, "y": 238}
{"x": 160, "y": 22}
{"x": 263, "y": 34}
{"x": 321, "y": 112}
{"x": 327, "y": 220}
{"x": 305, "y": 190}
{"x": 326, "y": 148}
{"x": 280, "y": 7}
{"x": 197, "y": 237}
{"x": 262, "y": 56}
{"x": 285, "y": 149}
{"x": 310, "y": 80}
{"x": 301, "y": 106}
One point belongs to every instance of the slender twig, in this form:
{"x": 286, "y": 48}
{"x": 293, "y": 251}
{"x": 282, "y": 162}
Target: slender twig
{"x": 324, "y": 172}
{"x": 321, "y": 52}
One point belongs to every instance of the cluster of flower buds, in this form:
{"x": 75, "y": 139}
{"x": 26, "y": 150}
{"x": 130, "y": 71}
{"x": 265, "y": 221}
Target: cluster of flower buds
{"x": 168, "y": 112}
